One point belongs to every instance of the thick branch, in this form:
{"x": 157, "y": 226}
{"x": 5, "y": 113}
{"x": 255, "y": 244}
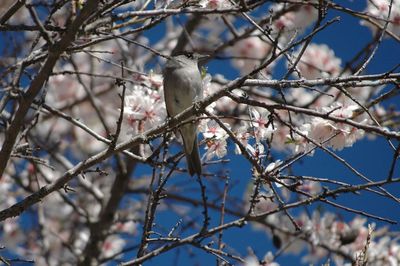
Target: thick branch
{"x": 27, "y": 98}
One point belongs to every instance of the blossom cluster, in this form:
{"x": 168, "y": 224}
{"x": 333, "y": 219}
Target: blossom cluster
{"x": 260, "y": 128}
{"x": 248, "y": 53}
{"x": 322, "y": 233}
{"x": 59, "y": 217}
{"x": 144, "y": 105}
{"x": 379, "y": 12}
{"x": 93, "y": 102}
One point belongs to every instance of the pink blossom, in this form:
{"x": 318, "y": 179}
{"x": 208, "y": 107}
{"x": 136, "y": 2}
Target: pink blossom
{"x": 266, "y": 204}
{"x": 379, "y": 11}
{"x": 129, "y": 227}
{"x": 257, "y": 150}
{"x": 64, "y": 89}
{"x": 211, "y": 129}
{"x": 12, "y": 233}
{"x": 214, "y": 4}
{"x": 250, "y": 52}
{"x": 216, "y": 148}
{"x": 335, "y": 135}
{"x": 321, "y": 129}
{"x": 299, "y": 140}
{"x": 144, "y": 109}
{"x": 293, "y": 22}
{"x": 262, "y": 128}
{"x": 224, "y": 104}
{"x": 112, "y": 246}
{"x": 242, "y": 135}
{"x": 319, "y": 61}
{"x": 311, "y": 187}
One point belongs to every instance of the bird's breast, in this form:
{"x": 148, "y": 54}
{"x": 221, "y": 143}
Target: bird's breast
{"x": 180, "y": 88}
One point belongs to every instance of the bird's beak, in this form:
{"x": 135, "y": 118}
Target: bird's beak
{"x": 202, "y": 59}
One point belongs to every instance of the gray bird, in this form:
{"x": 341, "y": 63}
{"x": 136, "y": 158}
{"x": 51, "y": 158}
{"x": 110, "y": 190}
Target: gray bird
{"x": 182, "y": 87}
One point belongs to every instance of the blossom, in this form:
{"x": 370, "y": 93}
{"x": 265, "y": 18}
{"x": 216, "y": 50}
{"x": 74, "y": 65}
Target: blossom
{"x": 215, "y": 4}
{"x": 280, "y": 139}
{"x": 293, "y": 22}
{"x": 112, "y": 246}
{"x": 299, "y": 140}
{"x": 333, "y": 134}
{"x": 152, "y": 80}
{"x": 321, "y": 129}
{"x": 311, "y": 187}
{"x": 12, "y": 233}
{"x": 273, "y": 166}
{"x": 269, "y": 259}
{"x": 81, "y": 241}
{"x": 253, "y": 261}
{"x": 266, "y": 204}
{"x": 144, "y": 109}
{"x": 263, "y": 129}
{"x": 300, "y": 96}
{"x": 379, "y": 11}
{"x": 216, "y": 148}
{"x": 272, "y": 169}
{"x": 318, "y": 61}
{"x": 223, "y": 104}
{"x": 129, "y": 227}
{"x": 250, "y": 52}
{"x": 319, "y": 228}
{"x": 211, "y": 129}
{"x": 242, "y": 135}
{"x": 257, "y": 150}
{"x": 6, "y": 186}
{"x": 347, "y": 135}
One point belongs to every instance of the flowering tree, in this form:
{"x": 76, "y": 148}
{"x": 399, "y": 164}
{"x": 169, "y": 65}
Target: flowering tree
{"x": 92, "y": 171}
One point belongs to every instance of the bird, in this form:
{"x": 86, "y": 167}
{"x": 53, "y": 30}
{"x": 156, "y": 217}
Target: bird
{"x": 182, "y": 87}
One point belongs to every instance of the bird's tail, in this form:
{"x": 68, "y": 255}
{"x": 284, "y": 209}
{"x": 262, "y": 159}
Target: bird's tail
{"x": 193, "y": 160}
{"x": 189, "y": 137}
